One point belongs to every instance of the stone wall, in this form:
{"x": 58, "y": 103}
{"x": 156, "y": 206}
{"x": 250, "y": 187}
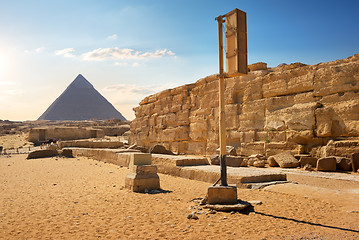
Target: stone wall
{"x": 293, "y": 107}
{"x": 39, "y": 135}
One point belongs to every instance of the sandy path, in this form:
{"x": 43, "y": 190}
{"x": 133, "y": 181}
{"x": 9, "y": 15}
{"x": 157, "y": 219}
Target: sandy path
{"x": 58, "y": 198}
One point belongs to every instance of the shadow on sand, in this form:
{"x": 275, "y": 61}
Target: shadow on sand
{"x": 300, "y": 221}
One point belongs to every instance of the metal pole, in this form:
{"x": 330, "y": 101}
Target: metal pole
{"x": 222, "y": 126}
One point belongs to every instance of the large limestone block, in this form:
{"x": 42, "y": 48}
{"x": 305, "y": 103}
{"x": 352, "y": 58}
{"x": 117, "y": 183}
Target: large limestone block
{"x": 338, "y": 78}
{"x": 171, "y": 120}
{"x": 208, "y": 100}
{"x": 275, "y": 136}
{"x": 324, "y": 124}
{"x": 183, "y": 117}
{"x": 179, "y": 147}
{"x": 231, "y": 161}
{"x": 140, "y": 159}
{"x": 273, "y": 148}
{"x": 253, "y": 89}
{"x": 285, "y": 82}
{"x": 197, "y": 147}
{"x": 257, "y": 66}
{"x": 312, "y": 161}
{"x": 182, "y": 133}
{"x": 168, "y": 135}
{"x": 305, "y": 97}
{"x": 327, "y": 164}
{"x": 247, "y": 149}
{"x": 355, "y": 161}
{"x": 42, "y": 154}
{"x": 159, "y": 149}
{"x": 342, "y": 148}
{"x": 198, "y": 126}
{"x": 142, "y": 182}
{"x": 280, "y": 102}
{"x": 344, "y": 164}
{"x": 234, "y": 161}
{"x": 144, "y": 169}
{"x": 222, "y": 195}
{"x": 300, "y": 137}
{"x": 198, "y": 136}
{"x": 298, "y": 117}
{"x": 284, "y": 160}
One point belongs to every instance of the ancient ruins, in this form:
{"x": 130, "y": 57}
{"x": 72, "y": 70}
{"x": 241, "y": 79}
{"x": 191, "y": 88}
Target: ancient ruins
{"x": 311, "y": 109}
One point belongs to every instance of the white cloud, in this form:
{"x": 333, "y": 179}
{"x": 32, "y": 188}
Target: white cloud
{"x": 120, "y": 64}
{"x": 40, "y": 49}
{"x": 67, "y": 52}
{"x": 37, "y": 50}
{"x": 112, "y": 37}
{"x": 102, "y": 54}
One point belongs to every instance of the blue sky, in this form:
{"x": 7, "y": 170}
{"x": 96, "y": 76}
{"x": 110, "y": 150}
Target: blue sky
{"x": 130, "y": 49}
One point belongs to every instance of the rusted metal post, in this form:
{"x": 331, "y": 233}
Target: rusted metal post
{"x": 222, "y": 125}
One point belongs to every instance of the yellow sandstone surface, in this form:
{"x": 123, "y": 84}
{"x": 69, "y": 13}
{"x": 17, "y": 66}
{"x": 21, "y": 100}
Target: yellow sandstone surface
{"x": 294, "y": 107}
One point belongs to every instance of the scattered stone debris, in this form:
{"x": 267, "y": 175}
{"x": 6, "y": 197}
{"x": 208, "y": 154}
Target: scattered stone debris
{"x": 259, "y": 163}
{"x": 204, "y": 208}
{"x": 308, "y": 167}
{"x": 255, "y": 202}
{"x": 192, "y": 216}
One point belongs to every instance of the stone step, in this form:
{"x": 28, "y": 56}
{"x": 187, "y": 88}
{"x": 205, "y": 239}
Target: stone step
{"x": 190, "y": 167}
{"x": 173, "y": 160}
{"x": 260, "y": 185}
{"x": 241, "y": 176}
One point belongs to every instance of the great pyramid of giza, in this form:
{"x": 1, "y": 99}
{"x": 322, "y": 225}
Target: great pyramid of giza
{"x": 81, "y": 101}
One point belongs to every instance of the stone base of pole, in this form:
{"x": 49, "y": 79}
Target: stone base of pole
{"x": 222, "y": 195}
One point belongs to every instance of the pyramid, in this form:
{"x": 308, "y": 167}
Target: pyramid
{"x": 81, "y": 101}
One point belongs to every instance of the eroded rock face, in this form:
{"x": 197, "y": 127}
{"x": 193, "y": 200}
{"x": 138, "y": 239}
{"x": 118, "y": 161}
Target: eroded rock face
{"x": 294, "y": 108}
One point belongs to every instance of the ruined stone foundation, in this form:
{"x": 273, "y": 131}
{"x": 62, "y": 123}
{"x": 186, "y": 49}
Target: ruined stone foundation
{"x": 305, "y": 109}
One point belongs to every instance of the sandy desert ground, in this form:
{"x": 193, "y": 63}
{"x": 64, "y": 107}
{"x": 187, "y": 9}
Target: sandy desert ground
{"x": 80, "y": 198}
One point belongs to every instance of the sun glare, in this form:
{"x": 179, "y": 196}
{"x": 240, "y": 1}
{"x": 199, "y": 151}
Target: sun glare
{"x": 2, "y": 66}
